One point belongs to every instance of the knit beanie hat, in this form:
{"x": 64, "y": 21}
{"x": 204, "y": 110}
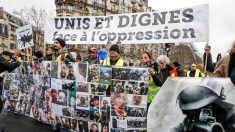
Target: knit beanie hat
{"x": 38, "y": 54}
{"x": 8, "y": 53}
{"x": 61, "y": 41}
{"x": 116, "y": 48}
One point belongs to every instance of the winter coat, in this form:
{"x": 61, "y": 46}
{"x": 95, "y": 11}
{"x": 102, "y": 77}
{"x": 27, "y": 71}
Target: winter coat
{"x": 222, "y": 67}
{"x": 209, "y": 65}
{"x": 7, "y": 65}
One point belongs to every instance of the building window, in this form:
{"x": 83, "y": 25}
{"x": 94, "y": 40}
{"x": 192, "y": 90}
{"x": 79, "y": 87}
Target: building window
{"x": 69, "y": 7}
{"x": 123, "y": 2}
{"x": 12, "y": 37}
{"x": 12, "y": 46}
{"x": 59, "y": 6}
{"x": 12, "y": 28}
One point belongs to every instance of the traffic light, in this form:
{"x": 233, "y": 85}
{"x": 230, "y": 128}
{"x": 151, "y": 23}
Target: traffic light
{"x": 167, "y": 47}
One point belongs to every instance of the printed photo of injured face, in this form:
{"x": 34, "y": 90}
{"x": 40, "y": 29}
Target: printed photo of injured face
{"x": 63, "y": 70}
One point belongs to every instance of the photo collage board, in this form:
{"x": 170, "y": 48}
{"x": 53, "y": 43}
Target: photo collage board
{"x": 79, "y": 96}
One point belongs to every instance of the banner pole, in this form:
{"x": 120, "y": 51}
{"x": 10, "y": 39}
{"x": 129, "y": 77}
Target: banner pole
{"x": 27, "y": 51}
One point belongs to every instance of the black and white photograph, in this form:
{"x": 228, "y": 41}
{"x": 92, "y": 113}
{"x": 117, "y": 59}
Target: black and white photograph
{"x": 105, "y": 74}
{"x": 139, "y": 74}
{"x": 105, "y": 103}
{"x": 82, "y": 73}
{"x": 66, "y": 111}
{"x": 98, "y": 89}
{"x": 54, "y": 69}
{"x": 193, "y": 102}
{"x": 93, "y": 73}
{"x": 134, "y": 122}
{"x": 120, "y": 73}
{"x": 137, "y": 111}
{"x": 119, "y": 86}
{"x": 138, "y": 87}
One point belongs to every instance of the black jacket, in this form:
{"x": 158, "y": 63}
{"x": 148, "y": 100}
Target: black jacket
{"x": 7, "y": 65}
{"x": 209, "y": 65}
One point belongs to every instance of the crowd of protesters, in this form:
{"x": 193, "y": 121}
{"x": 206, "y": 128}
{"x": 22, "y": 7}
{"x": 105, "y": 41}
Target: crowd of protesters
{"x": 159, "y": 70}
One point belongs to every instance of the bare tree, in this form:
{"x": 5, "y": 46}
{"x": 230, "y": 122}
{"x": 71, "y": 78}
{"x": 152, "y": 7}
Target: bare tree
{"x": 32, "y": 16}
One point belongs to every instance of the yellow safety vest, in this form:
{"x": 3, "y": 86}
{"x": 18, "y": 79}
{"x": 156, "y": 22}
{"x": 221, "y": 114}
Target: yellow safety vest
{"x": 197, "y": 73}
{"x": 120, "y": 62}
{"x": 58, "y": 59}
{"x": 152, "y": 90}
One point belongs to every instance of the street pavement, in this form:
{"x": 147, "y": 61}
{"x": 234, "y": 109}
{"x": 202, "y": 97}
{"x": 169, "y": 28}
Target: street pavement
{"x": 19, "y": 123}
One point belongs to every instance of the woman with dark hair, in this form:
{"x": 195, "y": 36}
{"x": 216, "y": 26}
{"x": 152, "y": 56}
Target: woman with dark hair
{"x": 94, "y": 128}
{"x": 155, "y": 81}
{"x": 49, "y": 54}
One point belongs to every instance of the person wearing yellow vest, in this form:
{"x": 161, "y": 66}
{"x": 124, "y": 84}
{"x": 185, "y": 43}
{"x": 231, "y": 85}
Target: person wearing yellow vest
{"x": 61, "y": 52}
{"x": 92, "y": 58}
{"x": 194, "y": 72}
{"x": 155, "y": 80}
{"x": 114, "y": 58}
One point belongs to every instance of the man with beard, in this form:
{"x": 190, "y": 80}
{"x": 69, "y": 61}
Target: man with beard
{"x": 115, "y": 57}
{"x": 61, "y": 52}
{"x": 92, "y": 58}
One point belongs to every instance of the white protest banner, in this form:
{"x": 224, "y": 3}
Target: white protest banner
{"x": 24, "y": 37}
{"x": 179, "y": 25}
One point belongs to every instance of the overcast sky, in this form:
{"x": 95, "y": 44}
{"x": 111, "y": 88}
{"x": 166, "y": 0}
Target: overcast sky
{"x": 221, "y": 20}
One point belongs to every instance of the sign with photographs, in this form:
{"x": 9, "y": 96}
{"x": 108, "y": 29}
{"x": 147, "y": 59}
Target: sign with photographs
{"x": 177, "y": 25}
{"x": 24, "y": 37}
{"x": 79, "y": 97}
{"x": 193, "y": 104}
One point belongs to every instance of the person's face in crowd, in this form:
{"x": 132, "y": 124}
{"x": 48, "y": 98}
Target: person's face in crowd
{"x": 193, "y": 67}
{"x": 92, "y": 55}
{"x": 49, "y": 51}
{"x": 105, "y": 128}
{"x": 57, "y": 45}
{"x": 105, "y": 104}
{"x": 137, "y": 100}
{"x": 63, "y": 70}
{"x": 94, "y": 127}
{"x": 6, "y": 57}
{"x": 145, "y": 58}
{"x": 78, "y": 60}
{"x": 162, "y": 64}
{"x": 113, "y": 54}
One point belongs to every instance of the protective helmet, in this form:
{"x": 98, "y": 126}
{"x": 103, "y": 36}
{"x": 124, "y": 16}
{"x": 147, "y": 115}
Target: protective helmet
{"x": 196, "y": 97}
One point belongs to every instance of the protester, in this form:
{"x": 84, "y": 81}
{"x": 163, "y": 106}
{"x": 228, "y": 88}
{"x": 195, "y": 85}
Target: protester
{"x": 194, "y": 72}
{"x": 7, "y": 64}
{"x": 61, "y": 52}
{"x": 115, "y": 57}
{"x": 37, "y": 56}
{"x": 207, "y": 60}
{"x": 226, "y": 65}
{"x": 155, "y": 81}
{"x": 92, "y": 58}
{"x": 78, "y": 58}
{"x": 49, "y": 54}
{"x": 163, "y": 61}
{"x": 177, "y": 71}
